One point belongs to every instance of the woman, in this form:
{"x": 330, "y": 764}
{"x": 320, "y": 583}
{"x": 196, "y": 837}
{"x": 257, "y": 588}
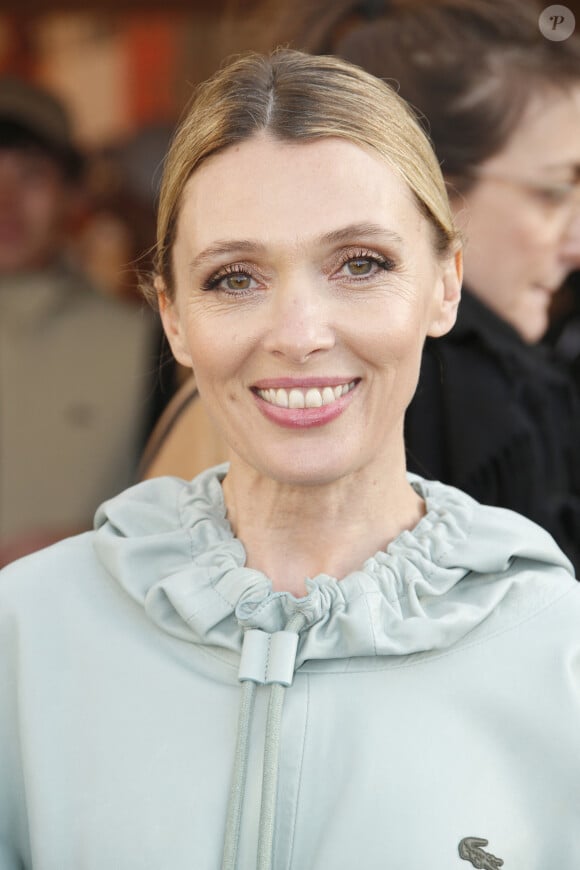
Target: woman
{"x": 391, "y": 636}
{"x": 495, "y": 414}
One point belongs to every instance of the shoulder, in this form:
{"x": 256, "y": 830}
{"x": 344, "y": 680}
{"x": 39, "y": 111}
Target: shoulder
{"x": 536, "y": 624}
{"x": 151, "y": 507}
{"x": 487, "y": 539}
{"x": 56, "y": 563}
{"x": 514, "y": 585}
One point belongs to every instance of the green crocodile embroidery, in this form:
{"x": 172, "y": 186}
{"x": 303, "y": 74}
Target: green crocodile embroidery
{"x": 470, "y": 850}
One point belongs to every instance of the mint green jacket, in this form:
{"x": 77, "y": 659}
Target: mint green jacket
{"x": 162, "y": 709}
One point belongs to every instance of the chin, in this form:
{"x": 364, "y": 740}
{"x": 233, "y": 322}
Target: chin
{"x": 530, "y": 320}
{"x": 305, "y": 468}
{"x": 533, "y": 329}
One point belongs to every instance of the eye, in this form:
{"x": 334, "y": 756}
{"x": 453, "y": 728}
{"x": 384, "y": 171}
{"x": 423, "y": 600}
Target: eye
{"x": 364, "y": 264}
{"x": 234, "y": 280}
{"x": 360, "y": 266}
{"x": 557, "y": 194}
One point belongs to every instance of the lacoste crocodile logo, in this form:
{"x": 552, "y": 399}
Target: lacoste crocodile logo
{"x": 469, "y": 850}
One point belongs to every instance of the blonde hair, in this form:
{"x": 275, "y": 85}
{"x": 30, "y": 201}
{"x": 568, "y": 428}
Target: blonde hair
{"x": 295, "y": 96}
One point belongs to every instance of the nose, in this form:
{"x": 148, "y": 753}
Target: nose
{"x": 571, "y": 240}
{"x": 299, "y": 321}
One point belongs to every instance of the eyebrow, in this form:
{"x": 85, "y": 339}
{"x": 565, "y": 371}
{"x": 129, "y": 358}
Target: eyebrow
{"x": 334, "y": 237}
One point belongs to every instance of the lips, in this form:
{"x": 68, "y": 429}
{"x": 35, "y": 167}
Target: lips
{"x": 304, "y": 404}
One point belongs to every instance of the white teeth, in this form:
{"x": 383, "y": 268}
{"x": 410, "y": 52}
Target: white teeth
{"x": 281, "y": 398}
{"x": 296, "y": 399}
{"x": 311, "y": 398}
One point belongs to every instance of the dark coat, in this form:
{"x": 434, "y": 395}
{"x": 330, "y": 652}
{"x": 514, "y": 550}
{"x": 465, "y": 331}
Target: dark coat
{"x": 499, "y": 419}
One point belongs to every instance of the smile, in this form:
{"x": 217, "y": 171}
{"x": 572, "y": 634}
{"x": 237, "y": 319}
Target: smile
{"x": 312, "y": 397}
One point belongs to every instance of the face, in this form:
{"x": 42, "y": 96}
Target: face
{"x": 34, "y": 203}
{"x": 305, "y": 286}
{"x": 523, "y": 216}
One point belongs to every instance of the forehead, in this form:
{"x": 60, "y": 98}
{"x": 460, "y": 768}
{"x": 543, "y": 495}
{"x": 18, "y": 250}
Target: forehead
{"x": 547, "y": 136}
{"x": 291, "y": 191}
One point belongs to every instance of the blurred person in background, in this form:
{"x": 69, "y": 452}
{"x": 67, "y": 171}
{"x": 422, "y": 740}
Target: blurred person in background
{"x": 495, "y": 413}
{"x": 76, "y": 367}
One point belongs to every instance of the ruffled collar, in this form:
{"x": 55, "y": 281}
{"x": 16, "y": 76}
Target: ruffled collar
{"x": 169, "y": 545}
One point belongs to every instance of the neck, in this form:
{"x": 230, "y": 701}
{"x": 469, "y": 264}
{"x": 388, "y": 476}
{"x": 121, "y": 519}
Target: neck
{"x": 292, "y": 532}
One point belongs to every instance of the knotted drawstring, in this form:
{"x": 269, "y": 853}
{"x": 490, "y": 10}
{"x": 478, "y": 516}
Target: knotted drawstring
{"x": 266, "y": 659}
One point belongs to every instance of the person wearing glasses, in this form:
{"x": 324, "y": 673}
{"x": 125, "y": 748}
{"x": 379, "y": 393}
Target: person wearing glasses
{"x": 496, "y": 413}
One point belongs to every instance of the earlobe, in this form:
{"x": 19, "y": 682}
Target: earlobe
{"x": 172, "y": 324}
{"x": 448, "y": 298}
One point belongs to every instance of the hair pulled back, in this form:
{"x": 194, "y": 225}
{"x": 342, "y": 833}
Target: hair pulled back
{"x": 297, "y": 97}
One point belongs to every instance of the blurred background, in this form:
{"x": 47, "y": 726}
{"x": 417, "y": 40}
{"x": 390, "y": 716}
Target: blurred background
{"x": 124, "y": 69}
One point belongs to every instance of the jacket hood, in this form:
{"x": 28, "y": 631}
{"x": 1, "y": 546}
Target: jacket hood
{"x": 169, "y": 545}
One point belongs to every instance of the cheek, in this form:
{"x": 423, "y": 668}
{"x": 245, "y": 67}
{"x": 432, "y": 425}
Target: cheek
{"x": 526, "y": 236}
{"x": 526, "y": 256}
{"x": 392, "y": 335}
{"x": 504, "y": 231}
{"x": 217, "y": 354}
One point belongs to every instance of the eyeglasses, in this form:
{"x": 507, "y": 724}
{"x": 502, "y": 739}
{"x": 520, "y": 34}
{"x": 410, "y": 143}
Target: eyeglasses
{"x": 557, "y": 195}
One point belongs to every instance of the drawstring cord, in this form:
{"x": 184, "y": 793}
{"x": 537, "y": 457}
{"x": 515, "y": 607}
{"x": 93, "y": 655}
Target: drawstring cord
{"x": 271, "y": 757}
{"x": 234, "y": 817}
{"x": 270, "y": 777}
{"x": 266, "y": 659}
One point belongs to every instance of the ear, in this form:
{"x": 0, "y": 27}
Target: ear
{"x": 172, "y": 324}
{"x": 447, "y": 297}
